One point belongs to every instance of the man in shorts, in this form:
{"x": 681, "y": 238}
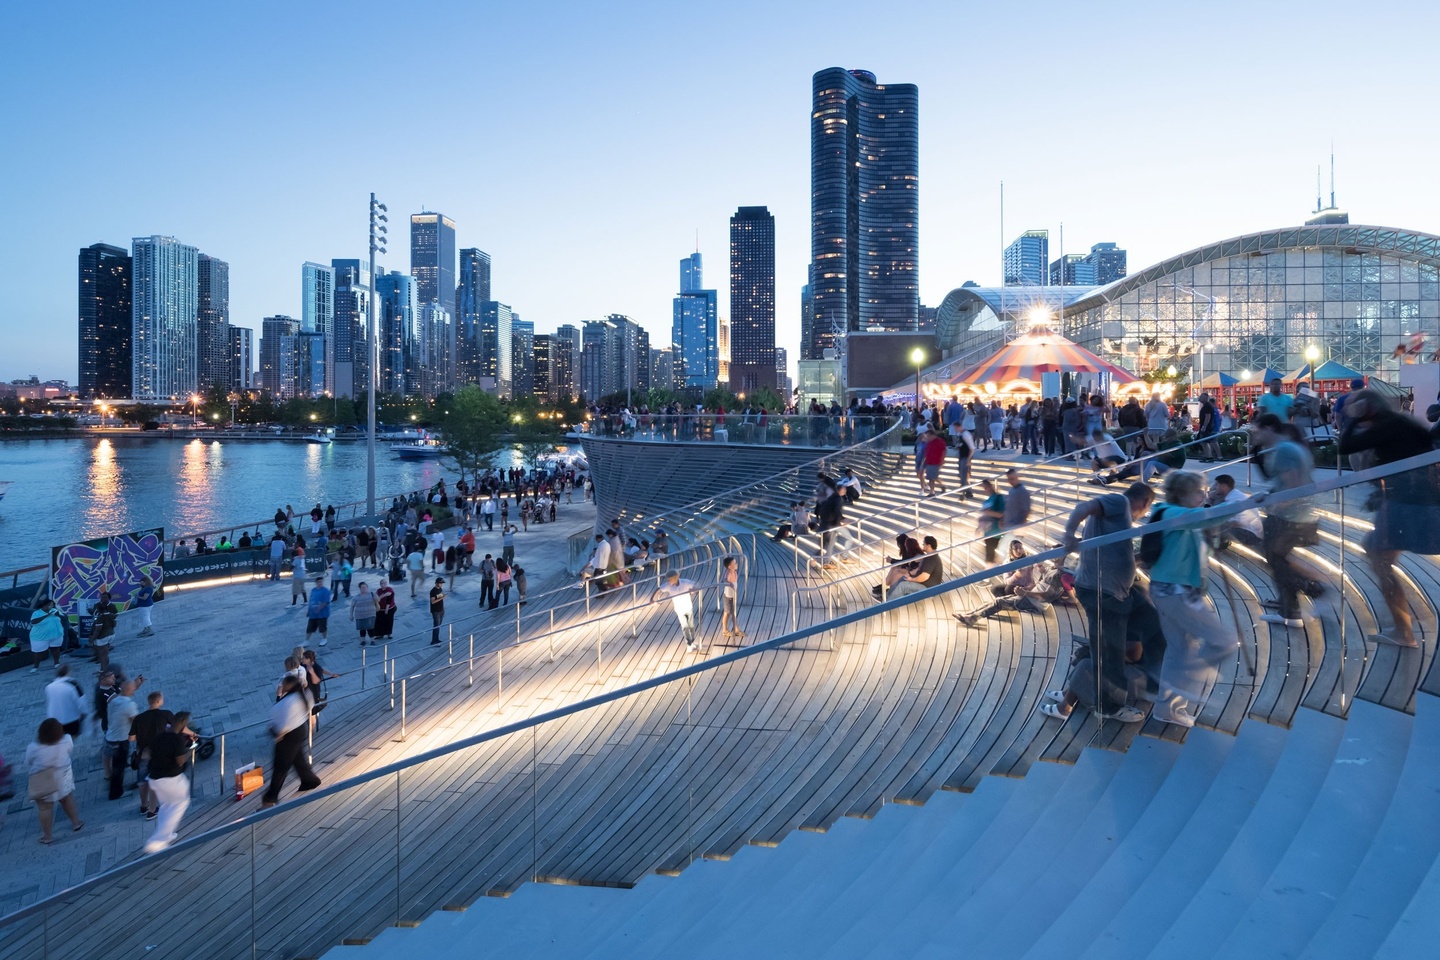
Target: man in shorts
{"x": 318, "y": 610}
{"x": 934, "y": 459}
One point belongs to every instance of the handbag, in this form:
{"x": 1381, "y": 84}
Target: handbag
{"x": 248, "y": 779}
{"x": 43, "y": 783}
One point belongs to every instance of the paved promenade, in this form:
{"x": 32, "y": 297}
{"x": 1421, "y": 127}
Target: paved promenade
{"x": 219, "y": 652}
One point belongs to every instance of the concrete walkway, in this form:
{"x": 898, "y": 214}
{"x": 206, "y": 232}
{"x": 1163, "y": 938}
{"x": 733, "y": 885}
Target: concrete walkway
{"x": 218, "y": 651}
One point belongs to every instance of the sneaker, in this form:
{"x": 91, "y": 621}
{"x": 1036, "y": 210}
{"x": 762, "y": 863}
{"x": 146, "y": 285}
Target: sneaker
{"x": 690, "y": 645}
{"x": 1057, "y": 695}
{"x": 151, "y": 814}
{"x": 34, "y": 669}
{"x": 1054, "y": 710}
{"x": 1278, "y": 620}
{"x": 969, "y": 619}
{"x": 1179, "y": 716}
{"x": 1124, "y": 715}
{"x": 322, "y": 641}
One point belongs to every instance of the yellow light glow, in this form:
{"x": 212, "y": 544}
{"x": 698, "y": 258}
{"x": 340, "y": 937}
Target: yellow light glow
{"x": 917, "y": 356}
{"x": 1312, "y": 353}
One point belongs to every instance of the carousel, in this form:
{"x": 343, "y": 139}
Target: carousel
{"x": 1014, "y": 373}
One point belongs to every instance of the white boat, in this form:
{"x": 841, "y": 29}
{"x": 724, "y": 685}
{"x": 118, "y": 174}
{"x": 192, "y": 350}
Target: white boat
{"x": 425, "y": 448}
{"x": 320, "y": 436}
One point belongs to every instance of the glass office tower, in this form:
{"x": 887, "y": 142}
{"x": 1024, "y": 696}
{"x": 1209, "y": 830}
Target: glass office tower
{"x": 864, "y": 203}
{"x": 105, "y": 323}
{"x": 752, "y": 300}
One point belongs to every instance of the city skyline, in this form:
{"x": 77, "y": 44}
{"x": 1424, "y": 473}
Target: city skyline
{"x": 616, "y": 215}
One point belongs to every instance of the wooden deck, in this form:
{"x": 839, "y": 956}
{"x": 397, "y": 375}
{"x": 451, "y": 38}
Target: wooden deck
{"x": 699, "y": 767}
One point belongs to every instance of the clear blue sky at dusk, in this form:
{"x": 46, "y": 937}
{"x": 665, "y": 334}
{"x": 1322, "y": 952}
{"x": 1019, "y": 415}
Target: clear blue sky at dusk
{"x": 584, "y": 145}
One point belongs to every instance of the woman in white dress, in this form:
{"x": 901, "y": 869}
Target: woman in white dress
{"x": 47, "y": 762}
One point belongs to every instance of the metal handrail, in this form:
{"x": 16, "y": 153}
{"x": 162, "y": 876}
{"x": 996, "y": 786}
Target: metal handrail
{"x": 1213, "y": 514}
{"x": 828, "y": 585}
{"x": 859, "y": 544}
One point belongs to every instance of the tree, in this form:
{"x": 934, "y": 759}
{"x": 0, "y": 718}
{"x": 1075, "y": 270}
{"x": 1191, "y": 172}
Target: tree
{"x": 767, "y": 398}
{"x": 472, "y": 429}
{"x": 533, "y": 438}
{"x": 717, "y": 397}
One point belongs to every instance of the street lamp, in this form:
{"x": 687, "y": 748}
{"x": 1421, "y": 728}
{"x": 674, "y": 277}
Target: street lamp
{"x": 195, "y": 409}
{"x": 917, "y": 357}
{"x": 378, "y": 219}
{"x": 1312, "y": 353}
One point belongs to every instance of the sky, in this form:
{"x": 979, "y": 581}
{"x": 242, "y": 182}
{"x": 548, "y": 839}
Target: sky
{"x": 587, "y": 146}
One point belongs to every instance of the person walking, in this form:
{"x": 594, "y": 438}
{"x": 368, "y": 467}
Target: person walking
{"x": 730, "y": 594}
{"x": 384, "y": 613}
{"x": 507, "y": 543}
{"x": 487, "y": 582}
{"x": 681, "y": 594}
{"x": 64, "y": 701}
{"x": 415, "y": 563}
{"x": 169, "y": 757}
{"x": 518, "y": 575}
{"x": 1196, "y": 639}
{"x": 120, "y": 714}
{"x": 146, "y": 726}
{"x": 504, "y": 577}
{"x": 1407, "y": 514}
{"x": 437, "y": 609}
{"x": 363, "y": 611}
{"x": 102, "y": 633}
{"x": 47, "y": 634}
{"x": 318, "y": 611}
{"x": 144, "y": 601}
{"x": 1105, "y": 587}
{"x": 992, "y": 513}
{"x": 1288, "y": 464}
{"x": 1017, "y": 502}
{"x": 289, "y": 725}
{"x": 297, "y": 574}
{"x": 52, "y": 780}
{"x": 277, "y": 556}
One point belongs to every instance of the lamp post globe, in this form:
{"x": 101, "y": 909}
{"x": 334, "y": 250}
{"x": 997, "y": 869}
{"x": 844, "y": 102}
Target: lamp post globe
{"x": 917, "y": 357}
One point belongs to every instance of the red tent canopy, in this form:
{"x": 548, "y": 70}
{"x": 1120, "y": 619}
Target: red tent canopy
{"x": 1030, "y": 355}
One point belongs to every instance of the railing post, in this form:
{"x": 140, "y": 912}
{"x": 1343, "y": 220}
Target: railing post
{"x": 451, "y": 646}
{"x": 499, "y": 677}
{"x": 551, "y": 636}
{"x": 390, "y": 672}
{"x": 403, "y": 682}
{"x": 222, "y": 765}
{"x": 362, "y": 668}
{"x": 634, "y": 610}
{"x": 470, "y": 664}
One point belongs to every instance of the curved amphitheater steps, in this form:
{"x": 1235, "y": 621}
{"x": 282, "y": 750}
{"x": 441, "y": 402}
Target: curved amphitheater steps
{"x": 1276, "y": 843}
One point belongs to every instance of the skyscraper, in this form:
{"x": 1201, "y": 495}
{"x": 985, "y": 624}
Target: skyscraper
{"x": 615, "y": 357}
{"x": 435, "y": 357}
{"x": 106, "y": 325}
{"x": 567, "y": 361}
{"x": 164, "y": 303}
{"x": 1026, "y": 258}
{"x": 1107, "y": 263}
{"x": 495, "y": 347}
{"x": 242, "y": 358}
{"x": 278, "y": 360}
{"x": 395, "y": 323}
{"x": 864, "y": 204}
{"x": 432, "y": 258}
{"x": 469, "y": 305}
{"x": 752, "y": 300}
{"x": 522, "y": 357}
{"x": 694, "y": 330}
{"x": 212, "y": 323}
{"x": 317, "y": 315}
{"x": 1073, "y": 269}
{"x": 782, "y": 372}
{"x": 544, "y": 375}
{"x": 350, "y": 355}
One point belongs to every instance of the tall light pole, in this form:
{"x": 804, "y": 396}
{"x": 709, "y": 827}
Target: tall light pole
{"x": 378, "y": 219}
{"x": 1312, "y": 353}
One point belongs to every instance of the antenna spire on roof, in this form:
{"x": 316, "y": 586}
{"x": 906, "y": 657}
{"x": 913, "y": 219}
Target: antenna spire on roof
{"x": 1319, "y": 204}
{"x": 1332, "y": 174}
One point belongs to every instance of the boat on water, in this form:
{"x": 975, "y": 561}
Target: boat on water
{"x": 426, "y": 447}
{"x": 320, "y": 436}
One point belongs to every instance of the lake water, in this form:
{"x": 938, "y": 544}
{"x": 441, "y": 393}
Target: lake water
{"x": 68, "y": 490}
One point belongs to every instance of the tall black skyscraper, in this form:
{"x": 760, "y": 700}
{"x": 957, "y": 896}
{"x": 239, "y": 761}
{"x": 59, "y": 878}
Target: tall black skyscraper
{"x": 864, "y": 206}
{"x": 469, "y": 313}
{"x": 212, "y": 329}
{"x": 350, "y": 326}
{"x": 105, "y": 323}
{"x": 432, "y": 259}
{"x": 752, "y": 300}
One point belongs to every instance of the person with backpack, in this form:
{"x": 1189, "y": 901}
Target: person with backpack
{"x": 1197, "y": 641}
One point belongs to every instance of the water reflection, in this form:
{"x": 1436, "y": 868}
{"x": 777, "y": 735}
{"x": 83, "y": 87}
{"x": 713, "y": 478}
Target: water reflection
{"x": 191, "y": 500}
{"x": 106, "y": 509}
